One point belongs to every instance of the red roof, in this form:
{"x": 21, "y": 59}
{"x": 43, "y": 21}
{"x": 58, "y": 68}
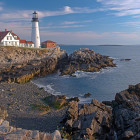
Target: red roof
{"x": 22, "y": 41}
{"x": 3, "y": 34}
{"x": 28, "y": 42}
{"x": 15, "y": 35}
{"x": 48, "y": 41}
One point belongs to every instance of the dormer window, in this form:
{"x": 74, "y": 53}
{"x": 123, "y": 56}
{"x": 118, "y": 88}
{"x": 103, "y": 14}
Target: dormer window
{"x": 15, "y": 37}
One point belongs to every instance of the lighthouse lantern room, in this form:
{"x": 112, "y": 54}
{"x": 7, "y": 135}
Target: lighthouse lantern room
{"x": 35, "y": 30}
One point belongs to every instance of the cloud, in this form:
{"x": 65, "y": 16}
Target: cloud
{"x": 25, "y": 15}
{"x": 91, "y": 38}
{"x": 135, "y": 24}
{"x": 122, "y": 7}
{"x": 66, "y": 26}
{"x": 1, "y": 6}
{"x": 76, "y": 22}
{"x": 82, "y": 37}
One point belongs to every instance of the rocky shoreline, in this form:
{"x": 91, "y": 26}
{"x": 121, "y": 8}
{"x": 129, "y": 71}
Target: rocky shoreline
{"x": 20, "y": 65}
{"x": 98, "y": 121}
{"x": 32, "y": 112}
{"x": 95, "y": 120}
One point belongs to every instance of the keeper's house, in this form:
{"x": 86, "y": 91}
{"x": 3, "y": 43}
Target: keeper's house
{"x": 24, "y": 43}
{"x": 48, "y": 44}
{"x": 8, "y": 38}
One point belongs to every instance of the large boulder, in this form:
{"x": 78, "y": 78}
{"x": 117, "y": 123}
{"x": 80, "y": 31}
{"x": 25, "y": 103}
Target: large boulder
{"x": 126, "y": 111}
{"x": 57, "y": 102}
{"x": 86, "y": 60}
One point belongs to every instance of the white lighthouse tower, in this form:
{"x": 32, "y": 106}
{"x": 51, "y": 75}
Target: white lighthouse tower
{"x": 35, "y": 30}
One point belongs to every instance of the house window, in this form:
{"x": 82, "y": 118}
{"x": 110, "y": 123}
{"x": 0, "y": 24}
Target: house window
{"x": 10, "y": 38}
{"x": 15, "y": 43}
{"x": 7, "y": 38}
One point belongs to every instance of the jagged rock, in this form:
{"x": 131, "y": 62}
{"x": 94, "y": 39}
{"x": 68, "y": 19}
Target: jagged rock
{"x": 87, "y": 95}
{"x": 74, "y": 99}
{"x": 56, "y": 135}
{"x": 126, "y": 113}
{"x": 88, "y": 121}
{"x": 85, "y": 60}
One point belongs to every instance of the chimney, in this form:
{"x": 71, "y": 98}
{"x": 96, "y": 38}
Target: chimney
{"x": 11, "y": 31}
{"x": 5, "y": 30}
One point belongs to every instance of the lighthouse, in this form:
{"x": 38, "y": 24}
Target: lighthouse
{"x": 35, "y": 30}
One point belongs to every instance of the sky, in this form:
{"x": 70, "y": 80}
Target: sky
{"x": 78, "y": 22}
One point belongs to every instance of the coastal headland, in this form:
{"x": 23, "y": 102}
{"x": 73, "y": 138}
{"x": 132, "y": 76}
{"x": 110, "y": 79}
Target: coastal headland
{"x": 33, "y": 113}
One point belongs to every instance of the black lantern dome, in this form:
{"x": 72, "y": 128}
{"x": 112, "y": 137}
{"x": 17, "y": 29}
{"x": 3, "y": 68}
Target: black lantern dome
{"x": 35, "y": 17}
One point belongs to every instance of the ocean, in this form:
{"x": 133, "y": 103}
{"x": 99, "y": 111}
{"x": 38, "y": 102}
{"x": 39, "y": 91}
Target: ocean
{"x": 102, "y": 85}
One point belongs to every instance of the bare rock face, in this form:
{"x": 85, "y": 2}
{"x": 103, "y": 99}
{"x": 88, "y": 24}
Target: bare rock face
{"x": 88, "y": 121}
{"x": 126, "y": 112}
{"x": 20, "y": 65}
{"x": 86, "y": 60}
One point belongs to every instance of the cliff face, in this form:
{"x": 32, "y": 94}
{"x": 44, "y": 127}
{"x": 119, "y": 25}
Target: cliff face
{"x": 21, "y": 64}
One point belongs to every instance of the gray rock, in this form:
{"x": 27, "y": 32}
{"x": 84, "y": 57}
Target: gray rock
{"x": 85, "y": 60}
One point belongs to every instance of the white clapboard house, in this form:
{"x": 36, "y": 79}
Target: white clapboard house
{"x": 8, "y": 38}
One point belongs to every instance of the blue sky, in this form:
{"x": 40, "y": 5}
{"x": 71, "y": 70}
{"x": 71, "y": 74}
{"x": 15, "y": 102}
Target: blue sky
{"x": 75, "y": 21}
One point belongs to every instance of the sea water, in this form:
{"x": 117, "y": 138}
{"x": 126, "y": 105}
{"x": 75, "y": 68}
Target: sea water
{"x": 102, "y": 85}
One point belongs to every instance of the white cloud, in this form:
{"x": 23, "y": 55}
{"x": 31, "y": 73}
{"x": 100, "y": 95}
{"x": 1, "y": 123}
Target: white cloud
{"x": 1, "y": 6}
{"x": 26, "y": 15}
{"x": 82, "y": 37}
{"x": 65, "y": 26}
{"x": 76, "y": 22}
{"x": 91, "y": 38}
{"x": 122, "y": 7}
{"x": 135, "y": 24}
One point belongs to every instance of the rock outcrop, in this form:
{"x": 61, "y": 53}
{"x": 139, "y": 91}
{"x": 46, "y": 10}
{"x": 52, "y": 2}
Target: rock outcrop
{"x": 88, "y": 121}
{"x": 97, "y": 121}
{"x": 126, "y": 111}
{"x": 20, "y": 65}
{"x": 85, "y": 60}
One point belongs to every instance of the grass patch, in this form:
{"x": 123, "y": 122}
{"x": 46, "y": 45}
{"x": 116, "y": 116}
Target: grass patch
{"x": 56, "y": 102}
